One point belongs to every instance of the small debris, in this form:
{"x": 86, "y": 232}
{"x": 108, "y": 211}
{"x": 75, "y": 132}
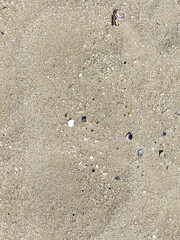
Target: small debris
{"x": 84, "y": 119}
{"x": 164, "y": 133}
{"x": 70, "y": 122}
{"x": 117, "y": 178}
{"x": 161, "y": 153}
{"x": 117, "y": 15}
{"x": 93, "y": 170}
{"x": 140, "y": 152}
{"x": 80, "y": 74}
{"x": 129, "y": 136}
{"x": 65, "y": 115}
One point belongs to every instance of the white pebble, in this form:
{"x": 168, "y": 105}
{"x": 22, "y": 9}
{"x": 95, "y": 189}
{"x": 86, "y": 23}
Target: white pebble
{"x": 71, "y": 123}
{"x": 80, "y": 75}
{"x": 91, "y": 157}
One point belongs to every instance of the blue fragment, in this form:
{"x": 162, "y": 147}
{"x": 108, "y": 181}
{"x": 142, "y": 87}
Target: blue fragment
{"x": 117, "y": 178}
{"x": 84, "y": 119}
{"x": 164, "y": 133}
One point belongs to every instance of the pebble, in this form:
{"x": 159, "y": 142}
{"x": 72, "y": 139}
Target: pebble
{"x": 70, "y": 122}
{"x": 84, "y": 119}
{"x": 164, "y": 133}
{"x": 161, "y": 153}
{"x": 129, "y": 136}
{"x": 140, "y": 152}
{"x": 117, "y": 178}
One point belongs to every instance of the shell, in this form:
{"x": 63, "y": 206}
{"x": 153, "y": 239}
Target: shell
{"x": 119, "y": 14}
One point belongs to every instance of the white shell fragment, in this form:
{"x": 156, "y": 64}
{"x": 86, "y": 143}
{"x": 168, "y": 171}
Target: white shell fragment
{"x": 119, "y": 14}
{"x": 70, "y": 122}
{"x": 140, "y": 152}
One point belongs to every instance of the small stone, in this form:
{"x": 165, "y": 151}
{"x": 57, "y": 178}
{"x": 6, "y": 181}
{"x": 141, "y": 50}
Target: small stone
{"x": 164, "y": 133}
{"x": 84, "y": 119}
{"x": 80, "y": 74}
{"x": 93, "y": 170}
{"x": 117, "y": 178}
{"x": 70, "y": 122}
{"x": 140, "y": 152}
{"x": 129, "y": 136}
{"x": 161, "y": 153}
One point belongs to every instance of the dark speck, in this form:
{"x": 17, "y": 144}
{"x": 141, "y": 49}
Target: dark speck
{"x": 93, "y": 170}
{"x": 84, "y": 119}
{"x": 125, "y": 62}
{"x": 164, "y": 133}
{"x": 117, "y": 178}
{"x": 65, "y": 115}
{"x": 109, "y": 188}
{"x": 167, "y": 167}
{"x": 2, "y": 33}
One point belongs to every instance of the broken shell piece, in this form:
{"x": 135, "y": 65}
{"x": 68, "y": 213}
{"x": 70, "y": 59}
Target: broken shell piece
{"x": 129, "y": 136}
{"x": 70, "y": 122}
{"x": 140, "y": 152}
{"x": 118, "y": 15}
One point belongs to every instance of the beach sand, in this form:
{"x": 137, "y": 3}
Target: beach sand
{"x": 62, "y": 61}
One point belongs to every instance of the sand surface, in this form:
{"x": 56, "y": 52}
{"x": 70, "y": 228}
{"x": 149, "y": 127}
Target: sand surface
{"x": 61, "y": 60}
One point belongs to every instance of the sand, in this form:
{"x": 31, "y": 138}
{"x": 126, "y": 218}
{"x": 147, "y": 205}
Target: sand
{"x": 65, "y": 177}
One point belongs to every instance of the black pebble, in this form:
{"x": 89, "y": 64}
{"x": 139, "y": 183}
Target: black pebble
{"x": 125, "y": 62}
{"x": 66, "y": 115}
{"x": 129, "y": 136}
{"x": 84, "y": 119}
{"x": 117, "y": 178}
{"x": 93, "y": 170}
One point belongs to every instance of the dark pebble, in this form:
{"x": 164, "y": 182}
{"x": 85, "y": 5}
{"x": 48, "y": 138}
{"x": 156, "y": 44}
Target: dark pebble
{"x": 117, "y": 178}
{"x": 84, "y": 119}
{"x": 129, "y": 136}
{"x": 93, "y": 170}
{"x": 164, "y": 133}
{"x": 66, "y": 115}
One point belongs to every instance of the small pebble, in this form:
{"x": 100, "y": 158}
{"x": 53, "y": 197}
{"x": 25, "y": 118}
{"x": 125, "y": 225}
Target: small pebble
{"x": 140, "y": 152}
{"x": 93, "y": 170}
{"x": 70, "y": 122}
{"x": 65, "y": 115}
{"x": 84, "y": 119}
{"x": 129, "y": 136}
{"x": 164, "y": 133}
{"x": 161, "y": 153}
{"x": 80, "y": 74}
{"x": 117, "y": 178}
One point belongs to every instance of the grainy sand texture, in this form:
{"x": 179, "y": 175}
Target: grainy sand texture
{"x": 72, "y": 86}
